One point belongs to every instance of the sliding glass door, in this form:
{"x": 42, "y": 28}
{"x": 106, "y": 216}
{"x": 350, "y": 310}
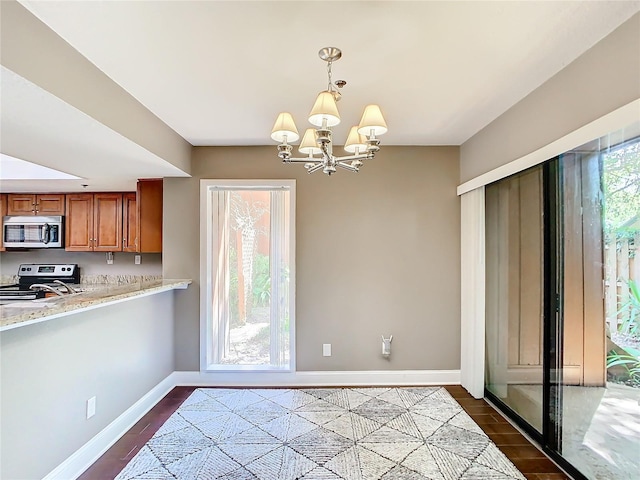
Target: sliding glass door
{"x": 514, "y": 301}
{"x": 562, "y": 304}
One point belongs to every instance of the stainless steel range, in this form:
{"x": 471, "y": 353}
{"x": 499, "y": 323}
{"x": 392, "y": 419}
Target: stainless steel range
{"x": 36, "y": 279}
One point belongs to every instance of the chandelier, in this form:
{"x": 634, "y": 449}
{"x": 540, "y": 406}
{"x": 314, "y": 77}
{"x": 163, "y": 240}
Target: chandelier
{"x": 362, "y": 142}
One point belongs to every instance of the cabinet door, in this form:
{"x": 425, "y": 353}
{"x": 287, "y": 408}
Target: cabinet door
{"x": 21, "y": 204}
{"x": 107, "y": 210}
{"x": 129, "y": 223}
{"x": 150, "y": 216}
{"x": 50, "y": 204}
{"x": 3, "y": 212}
{"x": 79, "y": 223}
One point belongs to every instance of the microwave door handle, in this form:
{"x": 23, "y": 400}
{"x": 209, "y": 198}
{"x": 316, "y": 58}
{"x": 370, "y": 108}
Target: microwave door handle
{"x": 46, "y": 233}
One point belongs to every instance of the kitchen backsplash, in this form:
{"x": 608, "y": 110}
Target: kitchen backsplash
{"x": 92, "y": 264}
{"x": 117, "y": 279}
{"x": 96, "y": 279}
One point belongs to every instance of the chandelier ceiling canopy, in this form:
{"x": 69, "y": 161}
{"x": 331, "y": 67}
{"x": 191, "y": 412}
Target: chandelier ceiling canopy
{"x": 362, "y": 142}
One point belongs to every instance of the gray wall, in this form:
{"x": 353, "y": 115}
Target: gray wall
{"x": 49, "y": 371}
{"x": 603, "y": 79}
{"x": 378, "y": 252}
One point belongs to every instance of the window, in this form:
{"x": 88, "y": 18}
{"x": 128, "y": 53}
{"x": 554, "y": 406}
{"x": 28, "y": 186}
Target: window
{"x": 248, "y": 278}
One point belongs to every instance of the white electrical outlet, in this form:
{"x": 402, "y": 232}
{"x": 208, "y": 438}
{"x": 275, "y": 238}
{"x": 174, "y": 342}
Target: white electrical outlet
{"x": 91, "y": 407}
{"x": 109, "y": 258}
{"x": 326, "y": 349}
{"x": 136, "y": 259}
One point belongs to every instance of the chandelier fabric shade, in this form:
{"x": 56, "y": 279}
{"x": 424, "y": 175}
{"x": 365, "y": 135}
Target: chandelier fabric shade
{"x": 285, "y": 129}
{"x": 362, "y": 142}
{"x": 309, "y": 146}
{"x": 325, "y": 108}
{"x": 372, "y": 121}
{"x": 355, "y": 142}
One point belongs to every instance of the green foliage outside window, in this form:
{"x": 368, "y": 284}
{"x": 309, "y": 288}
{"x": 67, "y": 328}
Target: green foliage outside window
{"x": 621, "y": 170}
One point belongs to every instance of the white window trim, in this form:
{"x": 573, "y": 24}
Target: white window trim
{"x": 472, "y": 276}
{"x": 207, "y": 186}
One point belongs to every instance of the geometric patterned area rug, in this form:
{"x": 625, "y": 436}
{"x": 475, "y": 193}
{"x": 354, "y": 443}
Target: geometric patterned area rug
{"x": 320, "y": 434}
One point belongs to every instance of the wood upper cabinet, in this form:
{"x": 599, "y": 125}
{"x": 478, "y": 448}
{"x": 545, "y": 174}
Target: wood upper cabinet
{"x": 149, "y": 207}
{"x": 79, "y": 223}
{"x": 21, "y": 204}
{"x": 50, "y": 204}
{"x": 129, "y": 223}
{"x": 94, "y": 222}
{"x": 32, "y": 204}
{"x": 3, "y": 212}
{"x": 107, "y": 217}
{"x": 101, "y": 222}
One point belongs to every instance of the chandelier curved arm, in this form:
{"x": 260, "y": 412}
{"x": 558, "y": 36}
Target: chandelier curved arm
{"x": 347, "y": 166}
{"x": 302, "y": 160}
{"x": 316, "y": 167}
{"x": 359, "y": 156}
{"x": 327, "y": 158}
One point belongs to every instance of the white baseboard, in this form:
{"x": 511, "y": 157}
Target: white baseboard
{"x": 86, "y": 455}
{"x": 319, "y": 379}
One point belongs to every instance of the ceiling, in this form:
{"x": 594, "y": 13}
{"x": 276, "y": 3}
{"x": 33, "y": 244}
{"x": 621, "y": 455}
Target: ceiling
{"x": 219, "y": 72}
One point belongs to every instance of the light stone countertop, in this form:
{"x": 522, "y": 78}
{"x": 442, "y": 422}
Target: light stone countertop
{"x": 17, "y": 314}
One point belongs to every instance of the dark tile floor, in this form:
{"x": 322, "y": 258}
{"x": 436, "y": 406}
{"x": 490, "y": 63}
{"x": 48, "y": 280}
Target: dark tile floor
{"x": 529, "y": 460}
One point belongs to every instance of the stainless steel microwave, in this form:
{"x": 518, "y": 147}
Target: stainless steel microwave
{"x": 32, "y": 232}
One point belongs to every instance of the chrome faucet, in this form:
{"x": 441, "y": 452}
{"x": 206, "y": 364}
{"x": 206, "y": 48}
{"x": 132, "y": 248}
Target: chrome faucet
{"x": 69, "y": 288}
{"x": 48, "y": 288}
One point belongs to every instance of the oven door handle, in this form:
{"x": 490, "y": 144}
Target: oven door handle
{"x": 46, "y": 234}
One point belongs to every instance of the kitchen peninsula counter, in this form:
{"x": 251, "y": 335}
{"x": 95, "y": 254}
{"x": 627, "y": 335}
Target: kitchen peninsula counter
{"x": 22, "y": 313}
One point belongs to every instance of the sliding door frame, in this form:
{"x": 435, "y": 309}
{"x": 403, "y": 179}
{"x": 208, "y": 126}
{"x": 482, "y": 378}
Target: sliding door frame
{"x": 553, "y": 294}
{"x": 550, "y": 440}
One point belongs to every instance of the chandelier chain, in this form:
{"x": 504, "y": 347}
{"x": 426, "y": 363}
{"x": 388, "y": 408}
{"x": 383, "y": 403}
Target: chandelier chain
{"x": 329, "y": 86}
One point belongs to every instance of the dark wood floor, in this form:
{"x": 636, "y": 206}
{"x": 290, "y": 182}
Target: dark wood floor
{"x": 529, "y": 460}
{"x": 117, "y": 457}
